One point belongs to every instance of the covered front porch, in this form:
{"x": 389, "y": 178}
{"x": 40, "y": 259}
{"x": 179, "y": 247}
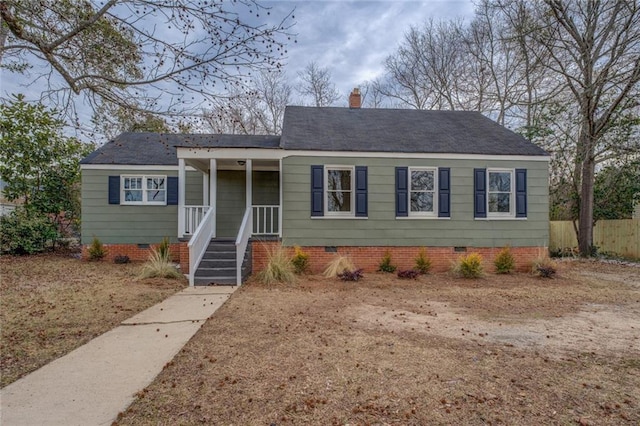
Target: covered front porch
{"x": 239, "y": 198}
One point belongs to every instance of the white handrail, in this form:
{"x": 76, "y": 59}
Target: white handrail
{"x": 242, "y": 241}
{"x": 200, "y": 241}
{"x": 192, "y": 217}
{"x": 265, "y": 219}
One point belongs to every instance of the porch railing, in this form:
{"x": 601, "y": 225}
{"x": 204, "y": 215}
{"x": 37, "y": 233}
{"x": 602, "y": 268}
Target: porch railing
{"x": 199, "y": 242}
{"x": 266, "y": 220}
{"x": 193, "y": 215}
{"x": 242, "y": 241}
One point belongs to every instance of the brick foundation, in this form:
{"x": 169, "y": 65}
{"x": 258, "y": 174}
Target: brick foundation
{"x": 369, "y": 258}
{"x": 179, "y": 251}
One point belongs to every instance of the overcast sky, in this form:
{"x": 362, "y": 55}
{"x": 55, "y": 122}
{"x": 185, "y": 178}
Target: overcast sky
{"x": 351, "y": 38}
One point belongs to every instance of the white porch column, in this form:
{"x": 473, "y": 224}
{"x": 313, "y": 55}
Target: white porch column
{"x": 213, "y": 191}
{"x": 205, "y": 189}
{"x": 182, "y": 184}
{"x": 248, "y": 192}
{"x": 280, "y": 198}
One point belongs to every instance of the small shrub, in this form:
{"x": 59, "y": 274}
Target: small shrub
{"x": 279, "y": 268}
{"x": 121, "y": 260}
{"x": 347, "y": 275}
{"x": 337, "y": 265}
{"x": 469, "y": 266}
{"x": 423, "y": 263}
{"x": 96, "y": 250}
{"x": 409, "y": 274}
{"x": 385, "y": 264}
{"x": 21, "y": 234}
{"x": 544, "y": 267}
{"x": 159, "y": 266}
{"x": 504, "y": 262}
{"x": 300, "y": 261}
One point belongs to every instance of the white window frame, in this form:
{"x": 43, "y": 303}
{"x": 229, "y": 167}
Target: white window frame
{"x": 144, "y": 189}
{"x": 434, "y": 213}
{"x": 325, "y": 194}
{"x": 512, "y": 194}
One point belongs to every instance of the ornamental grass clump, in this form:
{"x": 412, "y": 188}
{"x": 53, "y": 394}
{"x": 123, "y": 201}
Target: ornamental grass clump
{"x": 504, "y": 262}
{"x": 422, "y": 262}
{"x": 469, "y": 266}
{"x": 338, "y": 265}
{"x": 159, "y": 264}
{"x": 279, "y": 268}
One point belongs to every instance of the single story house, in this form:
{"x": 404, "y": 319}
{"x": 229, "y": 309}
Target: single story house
{"x": 351, "y": 180}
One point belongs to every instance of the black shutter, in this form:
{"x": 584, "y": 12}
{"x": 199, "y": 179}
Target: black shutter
{"x": 521, "y": 192}
{"x": 317, "y": 189}
{"x": 114, "y": 189}
{"x": 480, "y": 192}
{"x": 361, "y": 191}
{"x": 402, "y": 191}
{"x": 444, "y": 192}
{"x": 172, "y": 191}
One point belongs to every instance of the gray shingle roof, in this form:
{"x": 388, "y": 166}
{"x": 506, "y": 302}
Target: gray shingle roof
{"x": 336, "y": 129}
{"x": 399, "y": 130}
{"x": 160, "y": 148}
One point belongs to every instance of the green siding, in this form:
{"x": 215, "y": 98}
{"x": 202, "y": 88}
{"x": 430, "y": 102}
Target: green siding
{"x": 265, "y": 188}
{"x": 116, "y": 224}
{"x": 231, "y": 202}
{"x": 382, "y": 228}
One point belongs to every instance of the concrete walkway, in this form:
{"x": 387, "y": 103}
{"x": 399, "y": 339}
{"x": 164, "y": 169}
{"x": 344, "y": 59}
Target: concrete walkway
{"x": 95, "y": 382}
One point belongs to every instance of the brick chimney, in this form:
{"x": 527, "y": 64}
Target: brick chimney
{"x": 354, "y": 98}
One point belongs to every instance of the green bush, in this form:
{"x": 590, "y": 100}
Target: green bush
{"x": 385, "y": 264}
{"x": 469, "y": 266}
{"x": 423, "y": 263}
{"x": 504, "y": 262}
{"x": 22, "y": 234}
{"x": 300, "y": 260}
{"x": 96, "y": 250}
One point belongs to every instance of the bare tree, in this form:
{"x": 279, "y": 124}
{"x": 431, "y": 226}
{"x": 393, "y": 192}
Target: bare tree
{"x": 257, "y": 110}
{"x": 316, "y": 84}
{"x": 160, "y": 56}
{"x": 594, "y": 47}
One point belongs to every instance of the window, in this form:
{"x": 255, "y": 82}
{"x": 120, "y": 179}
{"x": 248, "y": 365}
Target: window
{"x": 423, "y": 192}
{"x": 144, "y": 190}
{"x": 339, "y": 191}
{"x": 423, "y": 195}
{"x": 500, "y": 193}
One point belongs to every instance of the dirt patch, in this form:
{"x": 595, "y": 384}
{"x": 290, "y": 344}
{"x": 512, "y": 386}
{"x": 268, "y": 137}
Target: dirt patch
{"x": 605, "y": 329}
{"x": 387, "y": 351}
{"x": 52, "y": 304}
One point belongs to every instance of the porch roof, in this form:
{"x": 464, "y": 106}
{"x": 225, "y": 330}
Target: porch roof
{"x": 160, "y": 148}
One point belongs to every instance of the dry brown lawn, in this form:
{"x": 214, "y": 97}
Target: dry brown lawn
{"x": 51, "y": 304}
{"x": 514, "y": 350}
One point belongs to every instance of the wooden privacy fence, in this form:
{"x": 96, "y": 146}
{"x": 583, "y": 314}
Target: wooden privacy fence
{"x": 621, "y": 237}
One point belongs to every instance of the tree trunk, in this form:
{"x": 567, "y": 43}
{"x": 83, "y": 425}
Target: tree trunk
{"x": 585, "y": 234}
